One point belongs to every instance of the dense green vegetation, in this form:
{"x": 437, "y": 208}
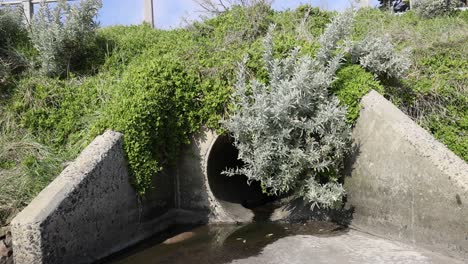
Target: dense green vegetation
{"x": 159, "y": 86}
{"x": 352, "y": 83}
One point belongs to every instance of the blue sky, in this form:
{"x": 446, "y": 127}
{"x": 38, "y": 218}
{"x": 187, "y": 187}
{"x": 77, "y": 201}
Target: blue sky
{"x": 170, "y": 13}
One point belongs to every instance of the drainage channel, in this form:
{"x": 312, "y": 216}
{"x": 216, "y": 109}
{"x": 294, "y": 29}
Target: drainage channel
{"x": 274, "y": 243}
{"x": 222, "y": 243}
{"x": 264, "y": 241}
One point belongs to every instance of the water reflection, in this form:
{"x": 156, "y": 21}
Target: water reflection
{"x": 216, "y": 244}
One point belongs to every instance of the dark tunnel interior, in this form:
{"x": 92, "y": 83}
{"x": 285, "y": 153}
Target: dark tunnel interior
{"x": 234, "y": 189}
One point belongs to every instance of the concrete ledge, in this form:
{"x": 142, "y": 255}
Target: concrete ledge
{"x": 89, "y": 211}
{"x": 404, "y": 184}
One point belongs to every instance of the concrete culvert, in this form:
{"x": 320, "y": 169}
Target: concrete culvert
{"x": 233, "y": 193}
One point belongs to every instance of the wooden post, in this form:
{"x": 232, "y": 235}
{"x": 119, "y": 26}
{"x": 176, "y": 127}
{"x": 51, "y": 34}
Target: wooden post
{"x": 148, "y": 12}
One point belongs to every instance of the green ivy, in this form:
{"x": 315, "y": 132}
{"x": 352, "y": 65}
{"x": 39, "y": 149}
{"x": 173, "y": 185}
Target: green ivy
{"x": 353, "y": 82}
{"x": 156, "y": 109}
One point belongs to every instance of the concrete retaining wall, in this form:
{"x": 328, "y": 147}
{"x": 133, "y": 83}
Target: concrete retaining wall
{"x": 404, "y": 184}
{"x": 90, "y": 211}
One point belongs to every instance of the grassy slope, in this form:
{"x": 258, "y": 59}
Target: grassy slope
{"x": 435, "y": 93}
{"x": 47, "y": 122}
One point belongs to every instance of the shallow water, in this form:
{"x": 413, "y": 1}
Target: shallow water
{"x": 216, "y": 244}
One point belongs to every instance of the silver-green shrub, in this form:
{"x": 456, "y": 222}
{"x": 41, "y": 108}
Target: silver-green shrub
{"x": 11, "y": 27}
{"x": 291, "y": 132}
{"x": 379, "y": 56}
{"x": 433, "y": 8}
{"x": 335, "y": 34}
{"x": 62, "y": 32}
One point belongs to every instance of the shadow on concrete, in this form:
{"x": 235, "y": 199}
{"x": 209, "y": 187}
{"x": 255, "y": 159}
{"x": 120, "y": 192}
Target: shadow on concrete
{"x": 350, "y": 160}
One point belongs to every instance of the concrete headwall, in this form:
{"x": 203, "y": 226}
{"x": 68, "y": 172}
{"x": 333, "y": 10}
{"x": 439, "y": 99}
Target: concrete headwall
{"x": 90, "y": 210}
{"x": 404, "y": 184}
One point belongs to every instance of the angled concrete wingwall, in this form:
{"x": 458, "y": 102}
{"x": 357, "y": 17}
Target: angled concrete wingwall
{"x": 404, "y": 184}
{"x": 91, "y": 211}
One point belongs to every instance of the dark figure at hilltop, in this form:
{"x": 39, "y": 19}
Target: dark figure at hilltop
{"x": 399, "y": 6}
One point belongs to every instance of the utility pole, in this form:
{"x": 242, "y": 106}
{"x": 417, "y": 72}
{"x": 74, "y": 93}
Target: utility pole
{"x": 364, "y": 3}
{"x": 148, "y": 12}
{"x": 28, "y": 9}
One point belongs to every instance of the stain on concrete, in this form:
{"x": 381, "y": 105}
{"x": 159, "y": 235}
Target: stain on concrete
{"x": 459, "y": 201}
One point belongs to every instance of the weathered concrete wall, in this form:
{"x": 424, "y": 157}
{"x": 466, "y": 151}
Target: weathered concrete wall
{"x": 89, "y": 211}
{"x": 404, "y": 184}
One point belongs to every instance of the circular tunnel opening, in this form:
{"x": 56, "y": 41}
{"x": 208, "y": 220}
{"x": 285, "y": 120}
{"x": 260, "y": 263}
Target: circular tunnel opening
{"x": 232, "y": 189}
